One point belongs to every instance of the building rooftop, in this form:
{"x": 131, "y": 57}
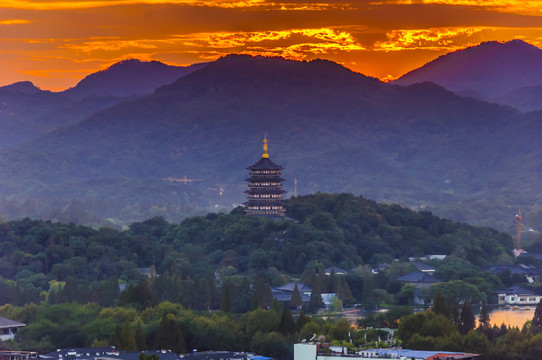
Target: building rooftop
{"x": 4, "y": 323}
{"x": 521, "y": 269}
{"x": 423, "y": 267}
{"x": 265, "y": 164}
{"x": 291, "y": 286}
{"x": 518, "y": 290}
{"x": 110, "y": 353}
{"x": 418, "y": 277}
{"x": 337, "y": 270}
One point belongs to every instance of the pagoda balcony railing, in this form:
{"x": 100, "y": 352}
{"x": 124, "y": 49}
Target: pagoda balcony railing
{"x": 264, "y": 172}
{"x": 275, "y": 196}
{"x": 278, "y": 207}
{"x": 265, "y": 183}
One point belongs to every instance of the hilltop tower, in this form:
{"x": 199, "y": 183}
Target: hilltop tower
{"x": 265, "y": 188}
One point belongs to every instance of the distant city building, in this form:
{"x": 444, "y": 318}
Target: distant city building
{"x": 17, "y": 355}
{"x": 283, "y": 294}
{"x": 336, "y": 270}
{"x": 265, "y": 188}
{"x": 8, "y": 328}
{"x": 111, "y": 353}
{"x": 323, "y": 351}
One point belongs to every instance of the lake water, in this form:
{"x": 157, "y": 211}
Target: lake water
{"x": 510, "y": 317}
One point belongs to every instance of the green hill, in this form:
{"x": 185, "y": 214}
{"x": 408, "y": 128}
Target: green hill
{"x": 324, "y": 229}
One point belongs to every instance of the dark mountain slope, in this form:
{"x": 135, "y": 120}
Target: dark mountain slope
{"x": 20, "y": 105}
{"x": 333, "y": 129}
{"x": 487, "y": 70}
{"x": 22, "y": 87}
{"x": 129, "y": 78}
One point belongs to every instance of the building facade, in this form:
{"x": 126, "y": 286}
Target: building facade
{"x": 8, "y": 328}
{"x": 265, "y": 193}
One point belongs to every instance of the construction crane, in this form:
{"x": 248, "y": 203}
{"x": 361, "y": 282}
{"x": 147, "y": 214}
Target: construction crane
{"x": 518, "y": 251}
{"x": 184, "y": 180}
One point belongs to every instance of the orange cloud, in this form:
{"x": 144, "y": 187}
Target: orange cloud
{"x": 322, "y": 39}
{"x": 526, "y": 7}
{"x": 86, "y": 4}
{"x": 109, "y": 45}
{"x": 14, "y": 22}
{"x": 448, "y": 39}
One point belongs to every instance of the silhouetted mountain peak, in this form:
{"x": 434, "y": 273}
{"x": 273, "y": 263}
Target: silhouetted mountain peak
{"x": 22, "y": 87}
{"x": 130, "y": 78}
{"x": 238, "y": 73}
{"x": 490, "y": 69}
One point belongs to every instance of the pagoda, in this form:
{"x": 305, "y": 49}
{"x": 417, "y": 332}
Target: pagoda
{"x": 265, "y": 188}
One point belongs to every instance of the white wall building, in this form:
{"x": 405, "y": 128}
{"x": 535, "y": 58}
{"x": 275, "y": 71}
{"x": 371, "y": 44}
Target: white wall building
{"x": 8, "y": 328}
{"x": 314, "y": 351}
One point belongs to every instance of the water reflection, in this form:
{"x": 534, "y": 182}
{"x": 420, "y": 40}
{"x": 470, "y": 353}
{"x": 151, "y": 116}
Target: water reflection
{"x": 511, "y": 317}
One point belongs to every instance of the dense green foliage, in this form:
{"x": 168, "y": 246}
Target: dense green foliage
{"x": 63, "y": 279}
{"x": 167, "y": 326}
{"x": 204, "y": 259}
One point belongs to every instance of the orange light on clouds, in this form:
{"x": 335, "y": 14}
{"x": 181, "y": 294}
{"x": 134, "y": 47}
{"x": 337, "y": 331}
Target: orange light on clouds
{"x": 428, "y": 39}
{"x": 86, "y": 4}
{"x": 54, "y": 43}
{"x": 527, "y": 7}
{"x": 14, "y": 22}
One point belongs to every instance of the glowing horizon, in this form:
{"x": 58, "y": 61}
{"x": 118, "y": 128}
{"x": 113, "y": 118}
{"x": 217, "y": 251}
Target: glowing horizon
{"x": 56, "y": 43}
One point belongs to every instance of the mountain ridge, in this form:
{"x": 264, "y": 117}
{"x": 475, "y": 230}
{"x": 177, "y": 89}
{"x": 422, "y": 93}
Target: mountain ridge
{"x": 332, "y": 129}
{"x": 488, "y": 70}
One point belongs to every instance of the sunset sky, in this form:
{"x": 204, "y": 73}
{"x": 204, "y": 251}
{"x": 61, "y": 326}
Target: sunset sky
{"x": 55, "y": 43}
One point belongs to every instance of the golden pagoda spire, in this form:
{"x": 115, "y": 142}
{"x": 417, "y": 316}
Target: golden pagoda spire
{"x": 265, "y": 154}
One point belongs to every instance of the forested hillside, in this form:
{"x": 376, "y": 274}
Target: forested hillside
{"x": 39, "y": 257}
{"x": 208, "y": 279}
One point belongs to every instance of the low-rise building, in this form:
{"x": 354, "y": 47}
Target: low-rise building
{"x": 316, "y": 351}
{"x": 518, "y": 295}
{"x": 18, "y": 355}
{"x": 336, "y": 270}
{"x": 8, "y": 328}
{"x": 531, "y": 273}
{"x": 419, "y": 279}
{"x": 111, "y": 353}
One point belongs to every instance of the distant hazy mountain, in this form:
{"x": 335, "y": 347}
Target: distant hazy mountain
{"x": 487, "y": 71}
{"x": 332, "y": 129}
{"x": 527, "y": 98}
{"x": 129, "y": 78}
{"x": 27, "y": 112}
{"x": 20, "y": 105}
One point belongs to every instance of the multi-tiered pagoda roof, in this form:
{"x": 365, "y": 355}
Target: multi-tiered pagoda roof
{"x": 265, "y": 188}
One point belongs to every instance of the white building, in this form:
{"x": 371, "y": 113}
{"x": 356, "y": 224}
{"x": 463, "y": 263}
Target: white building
{"x": 517, "y": 295}
{"x": 8, "y": 328}
{"x": 315, "y": 351}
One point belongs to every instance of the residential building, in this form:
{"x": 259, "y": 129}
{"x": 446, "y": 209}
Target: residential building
{"x": 336, "y": 270}
{"x": 518, "y": 295}
{"x": 419, "y": 279}
{"x": 317, "y": 351}
{"x": 8, "y": 328}
{"x": 17, "y": 355}
{"x": 111, "y": 353}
